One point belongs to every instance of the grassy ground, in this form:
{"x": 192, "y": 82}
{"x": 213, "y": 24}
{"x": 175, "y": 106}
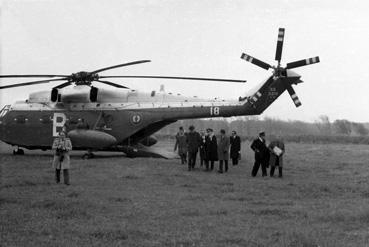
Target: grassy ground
{"x": 323, "y": 200}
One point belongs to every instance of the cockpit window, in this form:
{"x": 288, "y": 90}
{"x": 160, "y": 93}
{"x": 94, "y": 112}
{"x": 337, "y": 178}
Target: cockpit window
{"x": 4, "y": 111}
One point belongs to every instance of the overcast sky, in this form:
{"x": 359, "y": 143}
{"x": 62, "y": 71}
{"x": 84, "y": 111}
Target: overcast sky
{"x": 196, "y": 38}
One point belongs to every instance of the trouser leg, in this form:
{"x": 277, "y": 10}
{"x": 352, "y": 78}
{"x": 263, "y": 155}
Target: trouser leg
{"x": 189, "y": 161}
{"x": 255, "y": 168}
{"x": 280, "y": 171}
{"x": 264, "y": 168}
{"x": 194, "y": 159}
{"x": 226, "y": 165}
{"x": 234, "y": 161}
{"x": 220, "y": 166}
{"x": 212, "y": 165}
{"x": 57, "y": 175}
{"x": 206, "y": 164}
{"x": 66, "y": 176}
{"x": 272, "y": 168}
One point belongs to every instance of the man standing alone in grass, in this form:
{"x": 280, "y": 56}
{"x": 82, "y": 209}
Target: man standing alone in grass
{"x": 261, "y": 155}
{"x": 181, "y": 144}
{"x": 62, "y": 145}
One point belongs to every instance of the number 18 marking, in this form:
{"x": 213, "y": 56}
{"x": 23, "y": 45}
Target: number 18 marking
{"x": 214, "y": 111}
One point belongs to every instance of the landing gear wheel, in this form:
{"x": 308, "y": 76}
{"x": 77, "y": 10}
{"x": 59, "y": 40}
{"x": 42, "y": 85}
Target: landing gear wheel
{"x": 18, "y": 151}
{"x": 87, "y": 156}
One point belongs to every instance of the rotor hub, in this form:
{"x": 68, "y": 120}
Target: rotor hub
{"x": 83, "y": 78}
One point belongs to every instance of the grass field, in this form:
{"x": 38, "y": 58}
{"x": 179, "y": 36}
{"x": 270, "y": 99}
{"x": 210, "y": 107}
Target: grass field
{"x": 323, "y": 200}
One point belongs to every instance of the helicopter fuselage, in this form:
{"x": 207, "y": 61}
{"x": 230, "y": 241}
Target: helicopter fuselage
{"x": 120, "y": 117}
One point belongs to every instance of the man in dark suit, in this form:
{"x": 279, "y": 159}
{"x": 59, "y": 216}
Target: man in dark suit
{"x": 235, "y": 142}
{"x": 193, "y": 144}
{"x": 211, "y": 149}
{"x": 223, "y": 151}
{"x": 261, "y": 155}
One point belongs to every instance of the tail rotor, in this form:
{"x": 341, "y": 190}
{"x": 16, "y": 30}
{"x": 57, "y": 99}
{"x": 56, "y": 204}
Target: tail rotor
{"x": 279, "y": 71}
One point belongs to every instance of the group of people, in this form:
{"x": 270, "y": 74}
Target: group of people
{"x": 189, "y": 144}
{"x": 267, "y": 155}
{"x": 210, "y": 149}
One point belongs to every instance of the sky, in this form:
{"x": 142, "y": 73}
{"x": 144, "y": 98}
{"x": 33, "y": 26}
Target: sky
{"x": 196, "y": 38}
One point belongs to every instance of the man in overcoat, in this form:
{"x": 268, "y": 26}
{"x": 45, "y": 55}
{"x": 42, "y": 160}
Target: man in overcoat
{"x": 62, "y": 145}
{"x": 261, "y": 155}
{"x": 202, "y": 148}
{"x": 223, "y": 151}
{"x": 193, "y": 144}
{"x": 235, "y": 142}
{"x": 277, "y": 150}
{"x": 181, "y": 145}
{"x": 211, "y": 149}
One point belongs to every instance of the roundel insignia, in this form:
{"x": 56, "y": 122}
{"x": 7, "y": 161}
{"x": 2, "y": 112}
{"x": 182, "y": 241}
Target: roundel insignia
{"x": 136, "y": 118}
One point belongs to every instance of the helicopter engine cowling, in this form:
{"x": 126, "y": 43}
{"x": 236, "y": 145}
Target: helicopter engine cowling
{"x": 77, "y": 94}
{"x": 91, "y": 138}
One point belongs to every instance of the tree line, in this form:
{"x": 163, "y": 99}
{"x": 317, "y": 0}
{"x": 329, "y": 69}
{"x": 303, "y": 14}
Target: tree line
{"x": 322, "y": 130}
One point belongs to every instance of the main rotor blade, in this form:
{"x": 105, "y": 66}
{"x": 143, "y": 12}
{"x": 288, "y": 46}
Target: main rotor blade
{"x": 120, "y": 65}
{"x": 173, "y": 77}
{"x": 293, "y": 95}
{"x": 39, "y": 76}
{"x": 112, "y": 84}
{"x": 255, "y": 61}
{"x": 303, "y": 62}
{"x": 278, "y": 52}
{"x": 63, "y": 85}
{"x": 31, "y": 83}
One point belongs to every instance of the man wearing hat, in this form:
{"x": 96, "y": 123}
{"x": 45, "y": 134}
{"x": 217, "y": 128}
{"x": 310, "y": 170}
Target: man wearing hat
{"x": 235, "y": 142}
{"x": 193, "y": 144}
{"x": 62, "y": 145}
{"x": 211, "y": 149}
{"x": 261, "y": 155}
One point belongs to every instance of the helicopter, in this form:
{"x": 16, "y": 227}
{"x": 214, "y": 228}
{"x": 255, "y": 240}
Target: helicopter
{"x": 124, "y": 119}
